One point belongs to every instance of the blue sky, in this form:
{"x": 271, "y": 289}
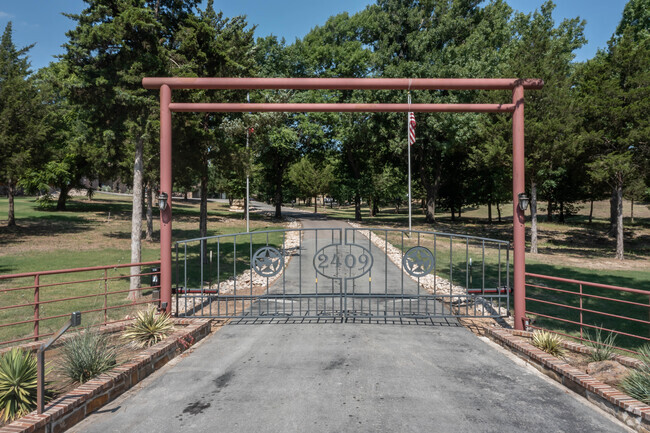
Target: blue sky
{"x": 41, "y": 22}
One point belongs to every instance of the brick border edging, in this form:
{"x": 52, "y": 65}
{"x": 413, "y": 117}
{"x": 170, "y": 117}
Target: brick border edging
{"x": 68, "y": 409}
{"x": 628, "y": 410}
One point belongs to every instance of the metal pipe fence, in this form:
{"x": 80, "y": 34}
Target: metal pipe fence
{"x": 34, "y": 304}
{"x": 580, "y": 309}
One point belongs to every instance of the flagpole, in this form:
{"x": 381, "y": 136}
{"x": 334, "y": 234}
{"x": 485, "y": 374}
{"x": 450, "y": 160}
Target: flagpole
{"x": 408, "y": 146}
{"x": 248, "y": 227}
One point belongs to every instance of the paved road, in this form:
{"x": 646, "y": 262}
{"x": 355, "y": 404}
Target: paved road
{"x": 348, "y": 377}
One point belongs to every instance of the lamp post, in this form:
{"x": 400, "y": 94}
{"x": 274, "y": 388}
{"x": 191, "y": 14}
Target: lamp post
{"x": 75, "y": 320}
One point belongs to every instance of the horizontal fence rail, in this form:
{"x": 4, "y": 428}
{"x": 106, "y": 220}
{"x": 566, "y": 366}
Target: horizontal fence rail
{"x": 581, "y": 309}
{"x": 342, "y": 273}
{"x": 34, "y": 304}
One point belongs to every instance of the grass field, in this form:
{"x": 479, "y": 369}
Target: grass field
{"x": 93, "y": 232}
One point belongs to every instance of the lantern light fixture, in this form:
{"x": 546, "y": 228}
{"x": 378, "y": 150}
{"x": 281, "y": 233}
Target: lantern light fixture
{"x": 523, "y": 201}
{"x": 162, "y": 201}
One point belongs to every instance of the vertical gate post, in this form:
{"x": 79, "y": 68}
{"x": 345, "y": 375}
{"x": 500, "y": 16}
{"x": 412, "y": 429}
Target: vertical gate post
{"x": 518, "y": 186}
{"x": 166, "y": 186}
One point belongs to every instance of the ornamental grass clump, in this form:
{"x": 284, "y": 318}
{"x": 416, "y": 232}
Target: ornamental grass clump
{"x": 87, "y": 355}
{"x": 18, "y": 384}
{"x": 149, "y": 328}
{"x": 637, "y": 383}
{"x": 602, "y": 348}
{"x": 548, "y": 342}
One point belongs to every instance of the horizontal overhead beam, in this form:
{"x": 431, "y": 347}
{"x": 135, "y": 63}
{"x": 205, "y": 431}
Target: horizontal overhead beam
{"x": 341, "y": 108}
{"x": 343, "y": 83}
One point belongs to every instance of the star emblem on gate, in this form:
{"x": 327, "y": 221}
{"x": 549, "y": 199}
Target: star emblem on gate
{"x": 418, "y": 261}
{"x": 267, "y": 261}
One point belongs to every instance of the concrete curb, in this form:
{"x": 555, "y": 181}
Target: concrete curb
{"x": 68, "y": 409}
{"x": 632, "y": 412}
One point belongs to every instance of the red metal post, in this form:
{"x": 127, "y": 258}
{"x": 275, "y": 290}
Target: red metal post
{"x": 166, "y": 186}
{"x": 36, "y": 305}
{"x": 581, "y": 312}
{"x": 105, "y": 296}
{"x": 518, "y": 186}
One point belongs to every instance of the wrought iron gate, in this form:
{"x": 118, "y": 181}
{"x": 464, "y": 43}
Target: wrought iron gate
{"x": 342, "y": 273}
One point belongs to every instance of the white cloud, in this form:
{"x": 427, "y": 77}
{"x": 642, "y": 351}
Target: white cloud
{"x": 5, "y": 15}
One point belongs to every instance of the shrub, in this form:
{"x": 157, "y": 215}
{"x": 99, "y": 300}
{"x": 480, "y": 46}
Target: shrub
{"x": 548, "y": 342}
{"x": 18, "y": 384}
{"x": 602, "y": 350}
{"x": 637, "y": 383}
{"x": 86, "y": 355}
{"x": 149, "y": 328}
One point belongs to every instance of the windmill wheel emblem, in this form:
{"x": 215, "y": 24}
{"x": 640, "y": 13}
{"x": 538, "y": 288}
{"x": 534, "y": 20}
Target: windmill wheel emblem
{"x": 418, "y": 261}
{"x": 268, "y": 261}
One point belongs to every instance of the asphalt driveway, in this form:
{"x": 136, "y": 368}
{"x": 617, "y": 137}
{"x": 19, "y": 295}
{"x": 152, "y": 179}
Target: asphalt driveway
{"x": 334, "y": 377}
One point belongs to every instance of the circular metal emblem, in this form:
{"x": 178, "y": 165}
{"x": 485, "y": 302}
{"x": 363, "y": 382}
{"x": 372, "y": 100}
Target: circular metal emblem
{"x": 418, "y": 261}
{"x": 268, "y": 261}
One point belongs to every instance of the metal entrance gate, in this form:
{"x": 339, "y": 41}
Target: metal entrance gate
{"x": 342, "y": 273}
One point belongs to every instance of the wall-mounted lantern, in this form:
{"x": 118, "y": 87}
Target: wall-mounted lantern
{"x": 162, "y": 201}
{"x": 523, "y": 201}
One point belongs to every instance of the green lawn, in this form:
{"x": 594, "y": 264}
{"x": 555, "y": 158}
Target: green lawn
{"x": 90, "y": 233}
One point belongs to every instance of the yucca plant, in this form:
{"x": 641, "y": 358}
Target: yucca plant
{"x": 86, "y": 355}
{"x": 548, "y": 342}
{"x": 637, "y": 383}
{"x": 602, "y": 348}
{"x": 18, "y": 384}
{"x": 148, "y": 328}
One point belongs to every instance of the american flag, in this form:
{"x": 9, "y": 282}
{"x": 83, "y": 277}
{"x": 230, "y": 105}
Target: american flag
{"x": 411, "y": 128}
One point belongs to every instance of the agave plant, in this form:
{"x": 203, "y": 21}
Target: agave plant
{"x": 86, "y": 355}
{"x": 148, "y": 328}
{"x": 18, "y": 384}
{"x": 602, "y": 347}
{"x": 637, "y": 383}
{"x": 548, "y": 342}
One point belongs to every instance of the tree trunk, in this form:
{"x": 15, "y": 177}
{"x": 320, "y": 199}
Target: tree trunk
{"x": 453, "y": 215}
{"x": 315, "y": 204}
{"x": 357, "y": 207}
{"x": 549, "y": 211}
{"x": 63, "y": 197}
{"x": 533, "y": 218}
{"x": 136, "y": 221}
{"x": 613, "y": 206}
{"x": 460, "y": 211}
{"x": 619, "y": 218}
{"x": 375, "y": 208}
{"x": 561, "y": 219}
{"x": 149, "y": 234}
{"x": 277, "y": 198}
{"x": 203, "y": 218}
{"x": 489, "y": 212}
{"x": 591, "y": 210}
{"x": 499, "y": 211}
{"x": 632, "y": 210}
{"x": 11, "y": 192}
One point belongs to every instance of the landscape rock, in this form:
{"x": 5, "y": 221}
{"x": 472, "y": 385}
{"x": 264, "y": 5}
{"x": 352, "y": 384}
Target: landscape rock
{"x": 610, "y": 372}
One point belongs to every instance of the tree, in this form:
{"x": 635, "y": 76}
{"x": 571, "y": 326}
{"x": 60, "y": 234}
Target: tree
{"x": 615, "y": 93}
{"x": 210, "y": 45}
{"x": 540, "y": 49}
{"x": 69, "y": 154}
{"x": 114, "y": 45}
{"x": 311, "y": 181}
{"x": 21, "y": 114}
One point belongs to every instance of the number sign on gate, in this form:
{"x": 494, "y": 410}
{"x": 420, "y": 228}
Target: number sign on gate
{"x": 339, "y": 261}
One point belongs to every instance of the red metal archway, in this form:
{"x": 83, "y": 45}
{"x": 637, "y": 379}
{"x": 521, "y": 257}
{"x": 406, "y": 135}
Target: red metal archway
{"x": 517, "y": 87}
